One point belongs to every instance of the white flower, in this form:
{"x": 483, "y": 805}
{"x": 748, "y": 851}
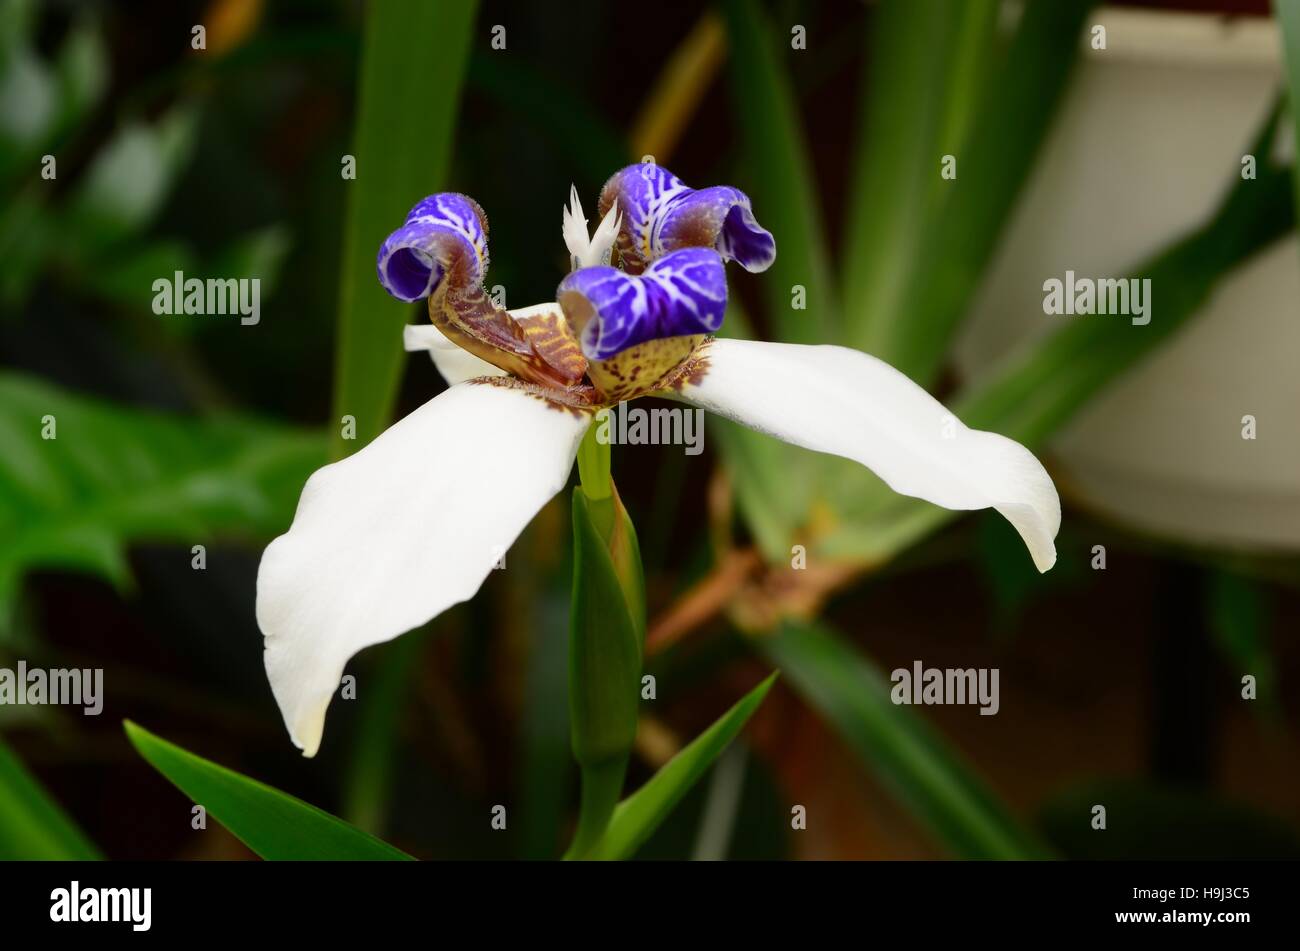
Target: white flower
{"x": 412, "y": 524}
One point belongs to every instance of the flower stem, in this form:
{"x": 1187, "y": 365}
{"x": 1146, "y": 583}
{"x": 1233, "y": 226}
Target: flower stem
{"x": 597, "y": 483}
{"x": 605, "y": 658}
{"x": 593, "y": 466}
{"x": 602, "y": 784}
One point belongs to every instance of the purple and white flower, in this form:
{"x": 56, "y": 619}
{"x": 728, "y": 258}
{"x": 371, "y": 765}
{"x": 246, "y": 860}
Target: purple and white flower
{"x": 394, "y": 535}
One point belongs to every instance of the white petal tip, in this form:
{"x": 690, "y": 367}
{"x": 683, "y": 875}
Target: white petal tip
{"x": 309, "y": 750}
{"x": 836, "y": 400}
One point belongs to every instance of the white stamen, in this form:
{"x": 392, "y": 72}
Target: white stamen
{"x": 602, "y": 242}
{"x": 575, "y": 230}
{"x": 584, "y": 251}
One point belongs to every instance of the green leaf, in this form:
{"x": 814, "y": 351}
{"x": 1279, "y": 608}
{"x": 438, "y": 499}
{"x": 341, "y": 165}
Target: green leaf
{"x": 911, "y": 759}
{"x": 1040, "y": 387}
{"x": 29, "y": 103}
{"x": 275, "y": 825}
{"x": 772, "y": 486}
{"x": 589, "y": 143}
{"x": 1240, "y": 618}
{"x": 413, "y": 64}
{"x": 1288, "y": 18}
{"x": 938, "y": 51}
{"x": 545, "y": 767}
{"x": 32, "y": 825}
{"x": 17, "y": 21}
{"x": 637, "y": 817}
{"x": 83, "y": 72}
{"x": 125, "y": 275}
{"x": 604, "y": 645}
{"x": 257, "y": 255}
{"x": 27, "y": 236}
{"x": 780, "y": 178}
{"x": 113, "y": 475}
{"x": 370, "y": 770}
{"x": 126, "y": 185}
{"x": 993, "y": 164}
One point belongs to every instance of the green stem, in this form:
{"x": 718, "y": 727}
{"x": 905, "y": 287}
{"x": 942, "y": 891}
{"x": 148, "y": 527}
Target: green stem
{"x": 602, "y": 784}
{"x": 602, "y": 778}
{"x": 593, "y": 466}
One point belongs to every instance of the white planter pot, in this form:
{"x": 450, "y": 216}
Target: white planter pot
{"x": 1150, "y": 135}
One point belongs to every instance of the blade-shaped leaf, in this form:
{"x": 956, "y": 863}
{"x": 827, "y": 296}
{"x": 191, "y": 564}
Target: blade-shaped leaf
{"x": 607, "y": 630}
{"x": 82, "y": 67}
{"x": 413, "y": 64}
{"x": 32, "y": 825}
{"x": 908, "y": 756}
{"x": 80, "y": 479}
{"x": 780, "y": 178}
{"x": 640, "y": 814}
{"x": 273, "y": 824}
{"x": 588, "y": 142}
{"x": 125, "y": 187}
{"x": 938, "y": 51}
{"x": 370, "y": 770}
{"x": 992, "y": 166}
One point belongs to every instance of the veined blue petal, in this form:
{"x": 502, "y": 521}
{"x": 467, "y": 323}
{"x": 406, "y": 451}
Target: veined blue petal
{"x": 662, "y": 215}
{"x": 683, "y": 293}
{"x": 444, "y": 234}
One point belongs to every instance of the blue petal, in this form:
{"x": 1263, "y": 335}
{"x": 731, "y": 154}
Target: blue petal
{"x": 662, "y": 215}
{"x": 682, "y": 293}
{"x": 443, "y": 234}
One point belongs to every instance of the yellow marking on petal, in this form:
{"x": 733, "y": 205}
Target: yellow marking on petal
{"x": 551, "y": 337}
{"x": 643, "y": 368}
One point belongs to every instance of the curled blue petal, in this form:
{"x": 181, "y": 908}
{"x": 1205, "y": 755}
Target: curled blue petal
{"x": 444, "y": 234}
{"x": 662, "y": 215}
{"x": 682, "y": 293}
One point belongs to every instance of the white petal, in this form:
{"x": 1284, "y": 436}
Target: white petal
{"x": 392, "y": 536}
{"x": 454, "y": 363}
{"x": 847, "y": 403}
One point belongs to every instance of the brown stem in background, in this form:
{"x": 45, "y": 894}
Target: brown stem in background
{"x": 756, "y": 595}
{"x": 704, "y": 601}
{"x": 677, "y": 92}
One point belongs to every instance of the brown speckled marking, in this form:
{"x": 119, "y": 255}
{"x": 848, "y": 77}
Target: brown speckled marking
{"x": 690, "y": 371}
{"x": 578, "y": 400}
{"x": 469, "y": 318}
{"x": 585, "y": 398}
{"x": 545, "y": 359}
{"x": 641, "y": 369}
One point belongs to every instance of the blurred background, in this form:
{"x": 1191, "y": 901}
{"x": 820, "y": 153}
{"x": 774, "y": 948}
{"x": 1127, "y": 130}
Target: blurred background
{"x": 1121, "y": 670}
